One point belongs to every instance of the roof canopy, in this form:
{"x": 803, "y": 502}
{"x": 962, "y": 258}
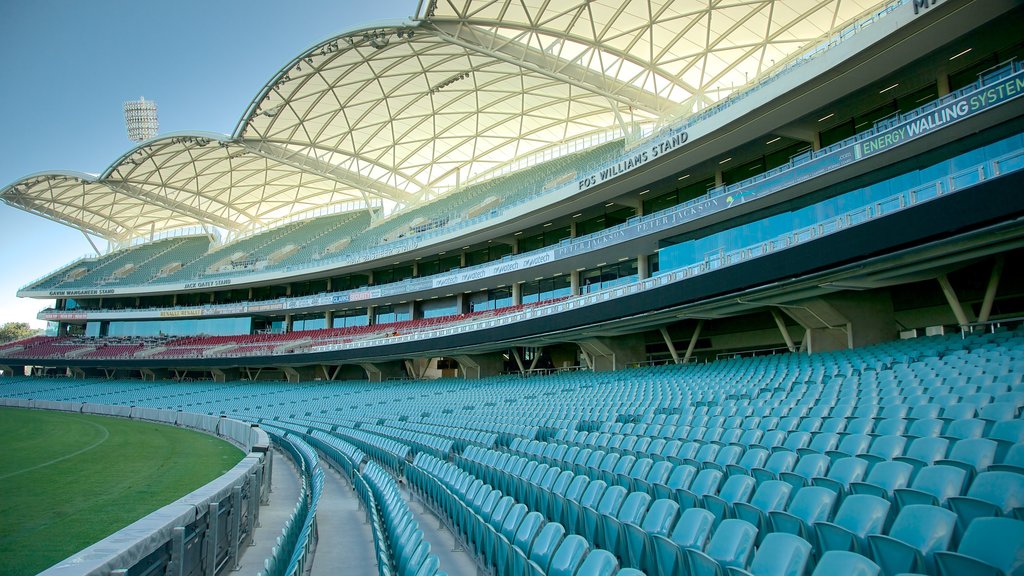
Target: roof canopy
{"x": 406, "y": 110}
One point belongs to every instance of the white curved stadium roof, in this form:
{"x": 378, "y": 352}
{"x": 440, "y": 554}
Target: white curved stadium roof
{"x": 407, "y": 110}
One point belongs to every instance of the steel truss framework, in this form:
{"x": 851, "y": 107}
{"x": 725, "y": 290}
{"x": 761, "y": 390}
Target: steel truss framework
{"x": 406, "y": 110}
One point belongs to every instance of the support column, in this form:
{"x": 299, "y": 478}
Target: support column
{"x": 719, "y": 178}
{"x": 517, "y": 293}
{"x": 942, "y": 84}
{"x": 781, "y": 323}
{"x": 642, "y": 269}
{"x": 476, "y": 366}
{"x": 693, "y": 341}
{"x": 609, "y": 354}
{"x": 287, "y": 322}
{"x": 952, "y": 300}
{"x": 296, "y": 374}
{"x": 380, "y": 371}
{"x": 671, "y": 346}
{"x": 225, "y": 374}
{"x": 991, "y": 289}
{"x": 574, "y": 282}
{"x": 329, "y": 319}
{"x": 369, "y": 316}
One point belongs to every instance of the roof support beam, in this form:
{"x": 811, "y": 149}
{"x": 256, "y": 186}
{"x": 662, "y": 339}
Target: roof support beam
{"x": 66, "y": 219}
{"x": 312, "y": 165}
{"x": 162, "y": 201}
{"x": 552, "y": 66}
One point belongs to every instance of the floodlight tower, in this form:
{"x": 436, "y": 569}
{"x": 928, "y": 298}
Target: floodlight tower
{"x": 140, "y": 119}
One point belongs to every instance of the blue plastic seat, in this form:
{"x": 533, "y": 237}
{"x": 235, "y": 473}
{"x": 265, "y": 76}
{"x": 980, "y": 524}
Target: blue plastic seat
{"x": 1013, "y": 462}
{"x": 691, "y": 531}
{"x": 858, "y": 516}
{"x": 841, "y": 563}
{"x": 926, "y": 427}
{"x": 730, "y": 547}
{"x": 545, "y": 544}
{"x": 590, "y": 498}
{"x": 609, "y": 504}
{"x": 523, "y": 539}
{"x": 779, "y": 554}
{"x": 924, "y": 451}
{"x": 885, "y": 448}
{"x": 778, "y": 462}
{"x": 769, "y": 496}
{"x": 990, "y": 494}
{"x": 974, "y": 455}
{"x": 810, "y": 504}
{"x": 706, "y": 482}
{"x": 1006, "y": 433}
{"x": 809, "y": 466}
{"x": 660, "y": 518}
{"x": 917, "y": 533}
{"x": 736, "y": 489}
{"x": 612, "y": 532}
{"x": 841, "y": 474}
{"x": 933, "y": 485}
{"x": 883, "y": 478}
{"x": 752, "y": 458}
{"x": 990, "y": 546}
{"x": 680, "y": 478}
{"x": 854, "y": 444}
{"x": 598, "y": 563}
{"x": 962, "y": 427}
{"x": 569, "y": 556}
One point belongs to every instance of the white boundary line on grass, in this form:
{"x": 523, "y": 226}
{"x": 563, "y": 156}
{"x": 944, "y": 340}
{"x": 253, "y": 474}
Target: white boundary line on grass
{"x": 106, "y": 434}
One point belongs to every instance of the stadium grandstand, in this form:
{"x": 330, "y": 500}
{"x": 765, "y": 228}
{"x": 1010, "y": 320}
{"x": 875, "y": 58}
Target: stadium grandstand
{"x": 608, "y": 287}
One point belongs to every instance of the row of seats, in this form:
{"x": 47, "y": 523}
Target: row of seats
{"x": 291, "y": 553}
{"x": 850, "y": 452}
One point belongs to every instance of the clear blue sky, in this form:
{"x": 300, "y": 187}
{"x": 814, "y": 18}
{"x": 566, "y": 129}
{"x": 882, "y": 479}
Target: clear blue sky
{"x": 68, "y": 66}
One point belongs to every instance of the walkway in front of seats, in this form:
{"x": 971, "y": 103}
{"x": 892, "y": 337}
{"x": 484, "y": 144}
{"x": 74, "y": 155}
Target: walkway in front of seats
{"x": 454, "y": 560}
{"x": 345, "y": 543}
{"x": 284, "y": 493}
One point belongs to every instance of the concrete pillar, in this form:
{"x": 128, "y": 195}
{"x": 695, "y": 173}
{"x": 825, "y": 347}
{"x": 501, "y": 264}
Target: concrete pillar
{"x": 719, "y": 179}
{"x": 369, "y": 315}
{"x": 422, "y": 368}
{"x": 225, "y": 374}
{"x": 296, "y": 374}
{"x": 460, "y": 303}
{"x": 287, "y": 322}
{"x": 329, "y": 319}
{"x": 515, "y": 245}
{"x": 642, "y": 267}
{"x": 614, "y": 353}
{"x": 574, "y": 282}
{"x": 953, "y": 301}
{"x": 476, "y": 366}
{"x": 572, "y": 229}
{"x": 845, "y": 320}
{"x": 517, "y": 293}
{"x": 942, "y": 84}
{"x": 380, "y": 371}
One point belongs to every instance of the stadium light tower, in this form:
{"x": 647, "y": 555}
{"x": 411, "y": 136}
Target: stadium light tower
{"x": 140, "y": 119}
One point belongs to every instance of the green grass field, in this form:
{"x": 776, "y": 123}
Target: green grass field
{"x": 69, "y": 480}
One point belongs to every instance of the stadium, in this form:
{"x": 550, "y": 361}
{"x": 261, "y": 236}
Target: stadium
{"x": 597, "y": 288}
